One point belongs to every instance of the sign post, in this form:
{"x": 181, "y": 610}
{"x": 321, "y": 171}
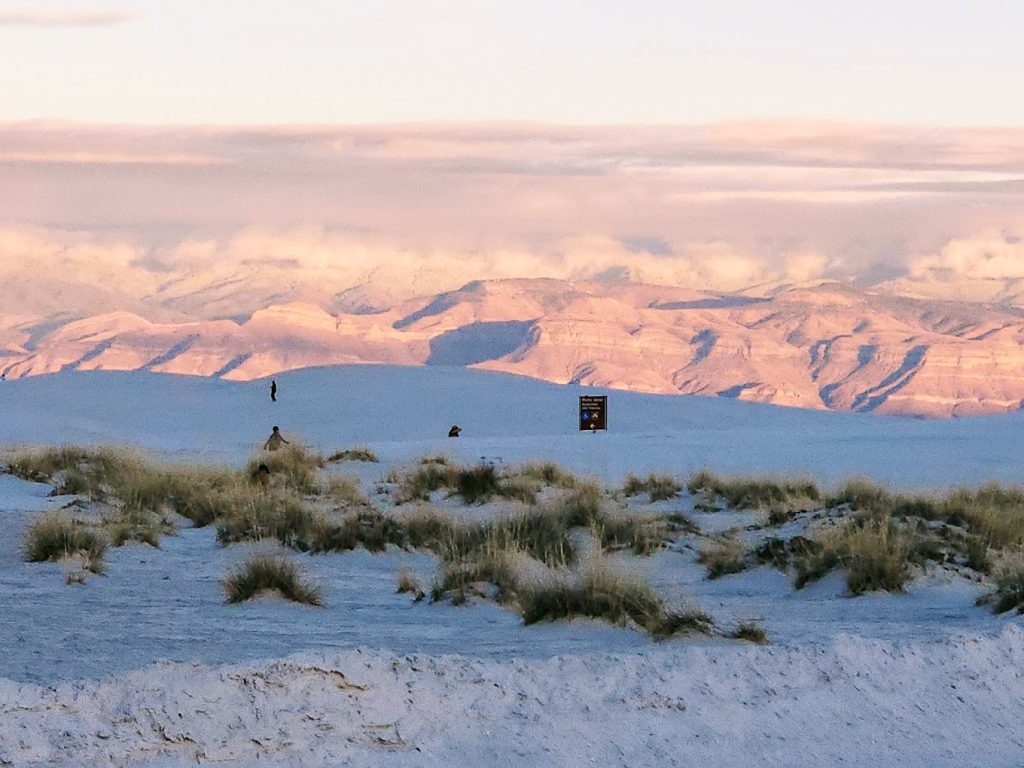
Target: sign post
{"x": 593, "y": 413}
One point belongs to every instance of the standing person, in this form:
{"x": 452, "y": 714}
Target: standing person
{"x": 275, "y": 441}
{"x": 273, "y": 390}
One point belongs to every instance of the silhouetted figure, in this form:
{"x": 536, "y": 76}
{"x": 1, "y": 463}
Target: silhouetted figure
{"x": 273, "y": 390}
{"x": 263, "y": 475}
{"x": 275, "y": 440}
{"x": 454, "y": 431}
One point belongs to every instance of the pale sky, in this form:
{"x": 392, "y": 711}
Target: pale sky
{"x": 562, "y": 61}
{"x": 717, "y": 144}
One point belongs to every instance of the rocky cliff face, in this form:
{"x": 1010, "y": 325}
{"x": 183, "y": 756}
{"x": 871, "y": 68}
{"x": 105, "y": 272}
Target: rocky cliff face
{"x": 822, "y": 347}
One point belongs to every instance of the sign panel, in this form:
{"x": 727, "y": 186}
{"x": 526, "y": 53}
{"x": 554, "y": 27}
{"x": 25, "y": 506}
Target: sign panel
{"x": 593, "y": 412}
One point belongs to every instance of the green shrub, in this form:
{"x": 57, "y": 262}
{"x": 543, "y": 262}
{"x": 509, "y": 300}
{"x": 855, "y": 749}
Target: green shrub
{"x": 265, "y": 572}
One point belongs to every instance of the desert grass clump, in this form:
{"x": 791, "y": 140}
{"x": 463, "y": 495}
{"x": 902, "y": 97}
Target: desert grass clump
{"x": 134, "y": 524}
{"x": 438, "y": 459}
{"x": 270, "y": 572}
{"x": 752, "y": 632}
{"x": 53, "y": 537}
{"x": 198, "y": 493}
{"x": 494, "y": 566}
{"x": 409, "y": 584}
{"x": 993, "y": 512}
{"x": 424, "y": 480}
{"x": 98, "y": 472}
{"x": 548, "y": 473}
{"x": 583, "y": 506}
{"x": 603, "y": 592}
{"x": 876, "y": 554}
{"x": 723, "y": 556}
{"x": 476, "y": 484}
{"x": 756, "y": 492}
{"x": 1009, "y": 584}
{"x": 345, "y": 492}
{"x": 249, "y": 514}
{"x": 293, "y": 466}
{"x": 354, "y": 454}
{"x": 642, "y": 533}
{"x": 658, "y": 487}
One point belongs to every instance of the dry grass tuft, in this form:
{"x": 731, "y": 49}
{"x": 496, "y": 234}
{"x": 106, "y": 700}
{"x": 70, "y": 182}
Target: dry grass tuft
{"x": 53, "y": 537}
{"x": 408, "y": 583}
{"x": 723, "y": 556}
{"x": 345, "y": 492}
{"x": 1009, "y": 581}
{"x": 752, "y": 632}
{"x": 658, "y": 487}
{"x": 757, "y": 492}
{"x": 293, "y": 466}
{"x": 875, "y": 553}
{"x": 548, "y": 473}
{"x": 354, "y": 454}
{"x": 607, "y": 593}
{"x": 270, "y": 572}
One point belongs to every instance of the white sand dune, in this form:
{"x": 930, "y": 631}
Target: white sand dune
{"x": 921, "y": 679}
{"x": 855, "y": 702}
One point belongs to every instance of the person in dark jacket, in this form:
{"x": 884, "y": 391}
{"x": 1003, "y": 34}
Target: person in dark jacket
{"x": 273, "y": 390}
{"x": 275, "y": 441}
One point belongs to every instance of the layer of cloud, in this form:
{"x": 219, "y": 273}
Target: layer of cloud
{"x": 322, "y": 210}
{"x": 63, "y": 17}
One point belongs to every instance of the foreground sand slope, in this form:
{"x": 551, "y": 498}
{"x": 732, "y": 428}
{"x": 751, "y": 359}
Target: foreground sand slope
{"x": 856, "y": 702}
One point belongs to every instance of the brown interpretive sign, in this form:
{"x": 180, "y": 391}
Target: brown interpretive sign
{"x": 593, "y": 412}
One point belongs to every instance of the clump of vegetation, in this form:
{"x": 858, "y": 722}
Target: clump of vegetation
{"x": 875, "y": 553}
{"x": 658, "y": 487}
{"x": 757, "y": 493}
{"x": 476, "y": 484}
{"x": 782, "y": 552}
{"x": 439, "y": 459}
{"x": 409, "y": 584}
{"x": 723, "y": 556}
{"x": 752, "y": 632}
{"x": 491, "y": 565}
{"x": 1009, "y": 581}
{"x": 643, "y": 533}
{"x": 354, "y": 454}
{"x": 270, "y": 572}
{"x": 548, "y": 473}
{"x": 245, "y": 514}
{"x": 605, "y": 593}
{"x": 135, "y": 524}
{"x": 424, "y": 480}
{"x": 293, "y": 466}
{"x": 53, "y": 537}
{"x": 345, "y": 492}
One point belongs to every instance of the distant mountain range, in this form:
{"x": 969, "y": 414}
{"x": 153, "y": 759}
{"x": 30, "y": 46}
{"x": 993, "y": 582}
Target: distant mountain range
{"x": 824, "y": 346}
